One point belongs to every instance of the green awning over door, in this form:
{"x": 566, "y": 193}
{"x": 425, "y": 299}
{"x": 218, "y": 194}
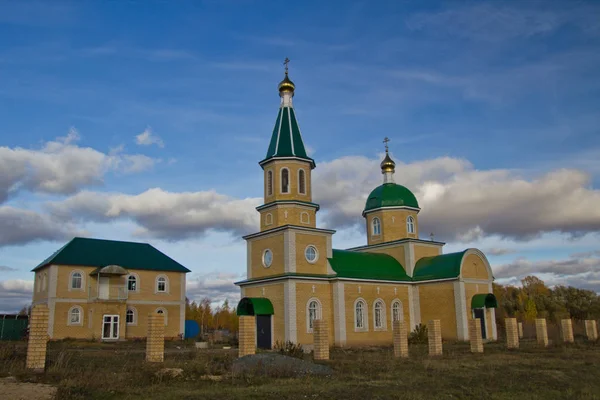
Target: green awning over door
{"x": 484, "y": 300}
{"x": 255, "y": 306}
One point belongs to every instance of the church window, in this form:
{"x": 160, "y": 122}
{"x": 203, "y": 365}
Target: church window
{"x": 268, "y": 219}
{"x": 269, "y": 183}
{"x": 360, "y": 320}
{"x": 304, "y": 217}
{"x": 313, "y": 313}
{"x": 311, "y": 254}
{"x": 410, "y": 225}
{"x": 397, "y": 312}
{"x": 376, "y": 227}
{"x": 132, "y": 283}
{"x": 76, "y": 280}
{"x": 75, "y": 316}
{"x": 267, "y": 258}
{"x": 301, "y": 182}
{"x": 285, "y": 180}
{"x": 379, "y": 314}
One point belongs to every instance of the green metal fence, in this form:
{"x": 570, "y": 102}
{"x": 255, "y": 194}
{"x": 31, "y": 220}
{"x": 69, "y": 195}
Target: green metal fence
{"x": 13, "y": 327}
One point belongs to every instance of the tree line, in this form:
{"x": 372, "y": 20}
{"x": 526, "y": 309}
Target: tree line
{"x": 209, "y": 319}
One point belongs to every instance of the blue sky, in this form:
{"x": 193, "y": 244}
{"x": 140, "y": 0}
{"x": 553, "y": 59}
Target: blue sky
{"x": 130, "y": 120}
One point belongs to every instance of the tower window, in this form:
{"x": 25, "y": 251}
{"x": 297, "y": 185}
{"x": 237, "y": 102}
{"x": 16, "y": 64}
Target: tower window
{"x": 376, "y": 227}
{"x": 410, "y": 225}
{"x": 269, "y": 183}
{"x": 285, "y": 180}
{"x": 301, "y": 182}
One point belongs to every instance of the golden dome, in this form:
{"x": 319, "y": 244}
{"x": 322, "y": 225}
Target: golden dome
{"x": 286, "y": 85}
{"x": 387, "y": 165}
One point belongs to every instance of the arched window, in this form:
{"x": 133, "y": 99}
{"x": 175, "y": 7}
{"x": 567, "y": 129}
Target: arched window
{"x": 285, "y": 180}
{"x": 376, "y": 227}
{"x": 397, "y": 312}
{"x": 410, "y": 224}
{"x": 132, "y": 283}
{"x": 360, "y": 315}
{"x": 268, "y": 219}
{"x": 162, "y": 311}
{"x": 131, "y": 316}
{"x": 379, "y": 314}
{"x": 313, "y": 311}
{"x": 76, "y": 280}
{"x": 269, "y": 183}
{"x": 301, "y": 182}
{"x": 304, "y": 217}
{"x": 162, "y": 284}
{"x": 75, "y": 316}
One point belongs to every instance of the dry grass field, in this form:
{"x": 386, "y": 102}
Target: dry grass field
{"x": 118, "y": 371}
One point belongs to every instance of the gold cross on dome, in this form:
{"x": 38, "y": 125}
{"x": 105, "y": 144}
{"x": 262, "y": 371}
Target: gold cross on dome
{"x": 286, "y": 62}
{"x": 385, "y": 141}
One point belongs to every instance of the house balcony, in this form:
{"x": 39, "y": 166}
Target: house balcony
{"x": 109, "y": 293}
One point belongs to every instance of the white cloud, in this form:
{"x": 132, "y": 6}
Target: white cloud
{"x": 217, "y": 286}
{"x": 15, "y": 294}
{"x": 4, "y": 268}
{"x": 148, "y": 138}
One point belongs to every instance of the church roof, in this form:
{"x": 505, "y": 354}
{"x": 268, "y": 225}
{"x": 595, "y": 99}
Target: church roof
{"x": 438, "y": 267}
{"x": 390, "y": 195}
{"x": 101, "y": 253}
{"x": 357, "y": 265}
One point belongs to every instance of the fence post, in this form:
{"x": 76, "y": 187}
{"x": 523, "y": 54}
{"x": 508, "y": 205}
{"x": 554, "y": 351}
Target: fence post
{"x": 247, "y": 339}
{"x": 400, "y": 337}
{"x": 321, "y": 339}
{"x": 475, "y": 335}
{"x": 566, "y": 326}
{"x": 541, "y": 331}
{"x": 38, "y": 338}
{"x": 434, "y": 333}
{"x": 512, "y": 333}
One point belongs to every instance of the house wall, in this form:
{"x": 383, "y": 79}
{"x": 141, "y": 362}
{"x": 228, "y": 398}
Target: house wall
{"x": 437, "y": 302}
{"x": 397, "y": 251}
{"x": 471, "y": 289}
{"x": 40, "y": 293}
{"x": 424, "y": 250}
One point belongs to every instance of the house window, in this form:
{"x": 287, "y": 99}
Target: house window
{"x": 360, "y": 310}
{"x": 75, "y": 316}
{"x": 130, "y": 317}
{"x": 410, "y": 225}
{"x": 269, "y": 183}
{"x": 301, "y": 182}
{"x": 311, "y": 254}
{"x": 162, "y": 312}
{"x": 132, "y": 283}
{"x": 162, "y": 284}
{"x": 313, "y": 312}
{"x": 397, "y": 312}
{"x": 76, "y": 280}
{"x": 285, "y": 180}
{"x": 376, "y": 227}
{"x": 379, "y": 314}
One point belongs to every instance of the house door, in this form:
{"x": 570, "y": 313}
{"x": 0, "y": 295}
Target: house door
{"x": 110, "y": 327}
{"x": 103, "y": 287}
{"x": 263, "y": 331}
{"x": 480, "y": 313}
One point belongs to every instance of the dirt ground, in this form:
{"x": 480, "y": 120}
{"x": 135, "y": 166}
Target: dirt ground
{"x": 13, "y": 390}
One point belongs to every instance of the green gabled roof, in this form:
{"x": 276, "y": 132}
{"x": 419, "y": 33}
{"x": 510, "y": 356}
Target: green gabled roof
{"x": 438, "y": 267}
{"x": 255, "y": 306}
{"x": 390, "y": 195}
{"x": 286, "y": 140}
{"x": 352, "y": 264}
{"x": 101, "y": 253}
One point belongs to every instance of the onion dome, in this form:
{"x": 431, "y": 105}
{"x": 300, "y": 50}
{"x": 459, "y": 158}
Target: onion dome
{"x": 390, "y": 195}
{"x": 286, "y": 85}
{"x": 388, "y": 165}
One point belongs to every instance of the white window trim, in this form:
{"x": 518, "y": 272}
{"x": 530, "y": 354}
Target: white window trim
{"x": 365, "y": 327}
{"x": 301, "y": 169}
{"x": 400, "y": 311}
{"x": 269, "y": 182}
{"x": 80, "y": 323}
{"x": 410, "y": 225}
{"x": 316, "y": 253}
{"x": 71, "y": 288}
{"x": 383, "y": 326}
{"x": 167, "y": 288}
{"x": 137, "y": 282}
{"x": 135, "y": 316}
{"x": 263, "y": 258}
{"x": 319, "y": 313}
{"x": 281, "y": 180}
{"x": 373, "y": 226}
{"x": 303, "y": 220}
{"x": 165, "y": 313}
{"x": 268, "y": 219}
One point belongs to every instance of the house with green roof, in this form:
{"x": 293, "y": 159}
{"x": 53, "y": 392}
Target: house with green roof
{"x": 105, "y": 290}
{"x": 295, "y": 276}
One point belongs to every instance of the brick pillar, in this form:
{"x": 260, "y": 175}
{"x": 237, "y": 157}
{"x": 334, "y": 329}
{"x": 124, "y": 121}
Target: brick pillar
{"x": 541, "y": 331}
{"x": 566, "y": 328}
{"x": 475, "y": 336}
{"x": 38, "y": 338}
{"x": 591, "y": 329}
{"x": 155, "y": 342}
{"x": 400, "y": 336}
{"x": 434, "y": 335}
{"x": 512, "y": 333}
{"x": 247, "y": 335}
{"x": 520, "y": 329}
{"x": 321, "y": 339}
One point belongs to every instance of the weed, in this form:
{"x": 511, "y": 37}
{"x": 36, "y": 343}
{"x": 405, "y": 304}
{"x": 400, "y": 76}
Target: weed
{"x": 289, "y": 348}
{"x": 418, "y": 335}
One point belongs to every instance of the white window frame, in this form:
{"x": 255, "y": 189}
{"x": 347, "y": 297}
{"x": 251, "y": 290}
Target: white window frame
{"x": 365, "y": 316}
{"x": 269, "y": 182}
{"x": 137, "y": 282}
{"x": 166, "y": 284}
{"x": 281, "y": 180}
{"x": 79, "y": 289}
{"x": 80, "y": 310}
{"x": 400, "y": 311}
{"x": 382, "y": 316}
{"x": 410, "y": 225}
{"x": 264, "y": 263}
{"x": 304, "y": 217}
{"x": 135, "y": 316}
{"x": 165, "y": 313}
{"x": 375, "y": 223}
{"x": 316, "y": 253}
{"x": 300, "y": 186}
{"x": 268, "y": 219}
{"x": 319, "y": 313}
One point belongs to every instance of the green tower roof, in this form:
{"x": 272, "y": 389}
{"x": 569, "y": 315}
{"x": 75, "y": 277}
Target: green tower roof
{"x": 390, "y": 195}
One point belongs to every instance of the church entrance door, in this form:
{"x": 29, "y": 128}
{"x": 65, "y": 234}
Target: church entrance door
{"x": 263, "y": 331}
{"x": 480, "y": 313}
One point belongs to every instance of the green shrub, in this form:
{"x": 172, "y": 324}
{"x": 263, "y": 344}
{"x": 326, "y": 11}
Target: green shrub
{"x": 418, "y": 335}
{"x": 289, "y": 349}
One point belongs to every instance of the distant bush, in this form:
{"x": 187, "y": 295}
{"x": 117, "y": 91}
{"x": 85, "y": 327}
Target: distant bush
{"x": 289, "y": 348}
{"x": 418, "y": 335}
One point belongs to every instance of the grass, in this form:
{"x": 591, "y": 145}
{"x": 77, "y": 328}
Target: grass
{"x": 118, "y": 371}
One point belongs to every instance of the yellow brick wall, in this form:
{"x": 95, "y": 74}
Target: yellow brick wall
{"x": 273, "y": 292}
{"x": 275, "y": 244}
{"x": 42, "y": 293}
{"x": 293, "y": 167}
{"x": 293, "y": 217}
{"x": 474, "y": 268}
{"x": 393, "y": 225}
{"x": 425, "y": 251}
{"x": 437, "y": 302}
{"x": 302, "y": 242}
{"x": 368, "y": 292}
{"x": 304, "y": 292}
{"x": 63, "y": 283}
{"x": 147, "y": 285}
{"x": 140, "y": 327}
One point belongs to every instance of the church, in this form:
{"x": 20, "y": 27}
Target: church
{"x": 294, "y": 275}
